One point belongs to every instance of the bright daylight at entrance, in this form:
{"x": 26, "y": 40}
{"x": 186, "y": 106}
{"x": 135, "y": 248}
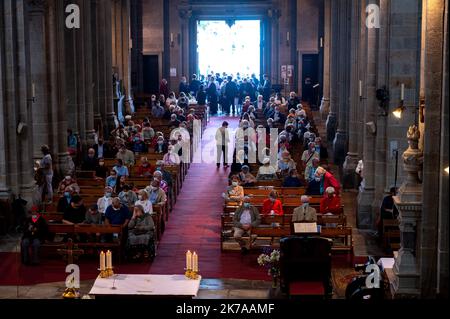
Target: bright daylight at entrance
{"x": 234, "y": 49}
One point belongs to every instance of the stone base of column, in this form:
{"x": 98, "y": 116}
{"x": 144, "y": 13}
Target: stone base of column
{"x": 324, "y": 108}
{"x": 406, "y": 280}
{"x": 364, "y": 218}
{"x": 90, "y": 138}
{"x": 5, "y": 192}
{"x": 340, "y": 147}
{"x": 350, "y": 178}
{"x": 63, "y": 163}
{"x": 331, "y": 126}
{"x": 98, "y": 124}
{"x": 29, "y": 193}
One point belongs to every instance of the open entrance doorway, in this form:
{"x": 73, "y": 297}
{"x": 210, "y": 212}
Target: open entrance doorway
{"x": 229, "y": 46}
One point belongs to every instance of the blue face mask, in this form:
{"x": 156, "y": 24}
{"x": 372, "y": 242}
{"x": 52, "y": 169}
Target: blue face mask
{"x": 67, "y": 194}
{"x": 246, "y": 205}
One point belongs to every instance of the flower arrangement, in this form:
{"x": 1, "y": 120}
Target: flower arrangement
{"x": 271, "y": 260}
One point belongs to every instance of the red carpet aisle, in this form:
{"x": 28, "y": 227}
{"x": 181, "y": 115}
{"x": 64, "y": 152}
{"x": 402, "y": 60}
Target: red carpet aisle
{"x": 194, "y": 225}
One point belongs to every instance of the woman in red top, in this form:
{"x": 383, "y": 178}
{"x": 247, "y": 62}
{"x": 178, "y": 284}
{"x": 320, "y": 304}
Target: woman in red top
{"x": 331, "y": 203}
{"x": 145, "y": 169}
{"x": 272, "y": 205}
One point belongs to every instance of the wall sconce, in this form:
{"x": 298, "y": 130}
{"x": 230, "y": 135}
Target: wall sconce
{"x": 288, "y": 38}
{"x": 446, "y": 170}
{"x": 33, "y": 93}
{"x": 398, "y": 112}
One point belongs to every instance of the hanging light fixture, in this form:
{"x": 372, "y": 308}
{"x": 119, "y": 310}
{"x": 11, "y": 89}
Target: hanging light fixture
{"x": 446, "y": 170}
{"x": 398, "y": 112}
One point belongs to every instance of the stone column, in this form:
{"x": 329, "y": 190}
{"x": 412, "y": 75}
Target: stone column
{"x": 108, "y": 68}
{"x": 325, "y": 105}
{"x": 37, "y": 43}
{"x": 275, "y": 15}
{"x": 56, "y": 67}
{"x": 136, "y": 65}
{"x": 352, "y": 158}
{"x": 341, "y": 138}
{"x": 331, "y": 123}
{"x": 98, "y": 72}
{"x": 433, "y": 174}
{"x": 409, "y": 204}
{"x": 369, "y": 71}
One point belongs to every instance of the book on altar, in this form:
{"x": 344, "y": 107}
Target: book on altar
{"x": 305, "y": 228}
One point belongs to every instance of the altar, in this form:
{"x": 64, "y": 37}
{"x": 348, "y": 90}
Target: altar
{"x": 145, "y": 286}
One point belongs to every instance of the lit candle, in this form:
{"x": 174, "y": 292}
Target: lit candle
{"x": 195, "y": 262}
{"x": 189, "y": 260}
{"x": 402, "y": 94}
{"x": 108, "y": 259}
{"x": 360, "y": 88}
{"x": 33, "y": 90}
{"x": 102, "y": 261}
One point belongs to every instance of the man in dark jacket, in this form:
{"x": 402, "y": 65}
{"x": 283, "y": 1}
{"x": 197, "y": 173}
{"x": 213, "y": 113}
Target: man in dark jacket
{"x": 35, "y": 233}
{"x": 231, "y": 91}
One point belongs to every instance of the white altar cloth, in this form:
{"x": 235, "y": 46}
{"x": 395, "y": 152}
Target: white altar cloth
{"x": 146, "y": 285}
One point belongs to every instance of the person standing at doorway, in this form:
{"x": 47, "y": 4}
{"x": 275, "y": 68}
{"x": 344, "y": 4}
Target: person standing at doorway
{"x": 266, "y": 88}
{"x": 231, "y": 91}
{"x": 222, "y": 140}
{"x": 212, "y": 96}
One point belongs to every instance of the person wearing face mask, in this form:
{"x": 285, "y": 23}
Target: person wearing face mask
{"x": 161, "y": 145}
{"x": 292, "y": 180}
{"x": 222, "y": 140}
{"x": 155, "y": 194}
{"x": 286, "y": 164}
{"x": 111, "y": 180}
{"x": 75, "y": 212}
{"x": 174, "y": 122}
{"x": 35, "y": 233}
{"x": 144, "y": 202}
{"x": 235, "y": 192}
{"x": 68, "y": 181}
{"x": 247, "y": 179}
{"x": 266, "y": 171}
{"x": 126, "y": 156}
{"x": 331, "y": 203}
{"x": 121, "y": 169}
{"x": 310, "y": 171}
{"x": 140, "y": 232}
{"x": 245, "y": 218}
{"x": 171, "y": 158}
{"x": 90, "y": 162}
{"x": 157, "y": 175}
{"x": 327, "y": 180}
{"x": 64, "y": 201}
{"x": 117, "y": 214}
{"x": 101, "y": 149}
{"x": 309, "y": 155}
{"x": 272, "y": 205}
{"x": 145, "y": 169}
{"x": 127, "y": 196}
{"x": 101, "y": 171}
{"x": 304, "y": 213}
{"x": 93, "y": 217}
{"x": 104, "y": 202}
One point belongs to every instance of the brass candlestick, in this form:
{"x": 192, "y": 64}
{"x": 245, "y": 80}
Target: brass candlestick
{"x": 190, "y": 274}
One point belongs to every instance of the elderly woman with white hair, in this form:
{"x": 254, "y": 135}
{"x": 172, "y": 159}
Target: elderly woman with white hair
{"x": 304, "y": 213}
{"x": 144, "y": 201}
{"x": 330, "y": 203}
{"x": 266, "y": 171}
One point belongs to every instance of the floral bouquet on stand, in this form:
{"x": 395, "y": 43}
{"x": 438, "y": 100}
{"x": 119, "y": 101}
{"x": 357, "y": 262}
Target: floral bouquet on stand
{"x": 270, "y": 259}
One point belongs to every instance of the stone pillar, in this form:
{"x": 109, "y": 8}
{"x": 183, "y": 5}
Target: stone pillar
{"x": 369, "y": 71}
{"x": 352, "y": 158}
{"x": 109, "y": 104}
{"x": 409, "y": 204}
{"x": 433, "y": 175}
{"x": 136, "y": 65}
{"x": 341, "y": 138}
{"x": 275, "y": 15}
{"x": 16, "y": 147}
{"x": 56, "y": 69}
{"x": 331, "y": 123}
{"x": 325, "y": 104}
{"x": 38, "y": 64}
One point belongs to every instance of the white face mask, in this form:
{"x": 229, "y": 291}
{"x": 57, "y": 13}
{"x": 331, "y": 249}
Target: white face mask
{"x": 140, "y": 197}
{"x": 235, "y": 184}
